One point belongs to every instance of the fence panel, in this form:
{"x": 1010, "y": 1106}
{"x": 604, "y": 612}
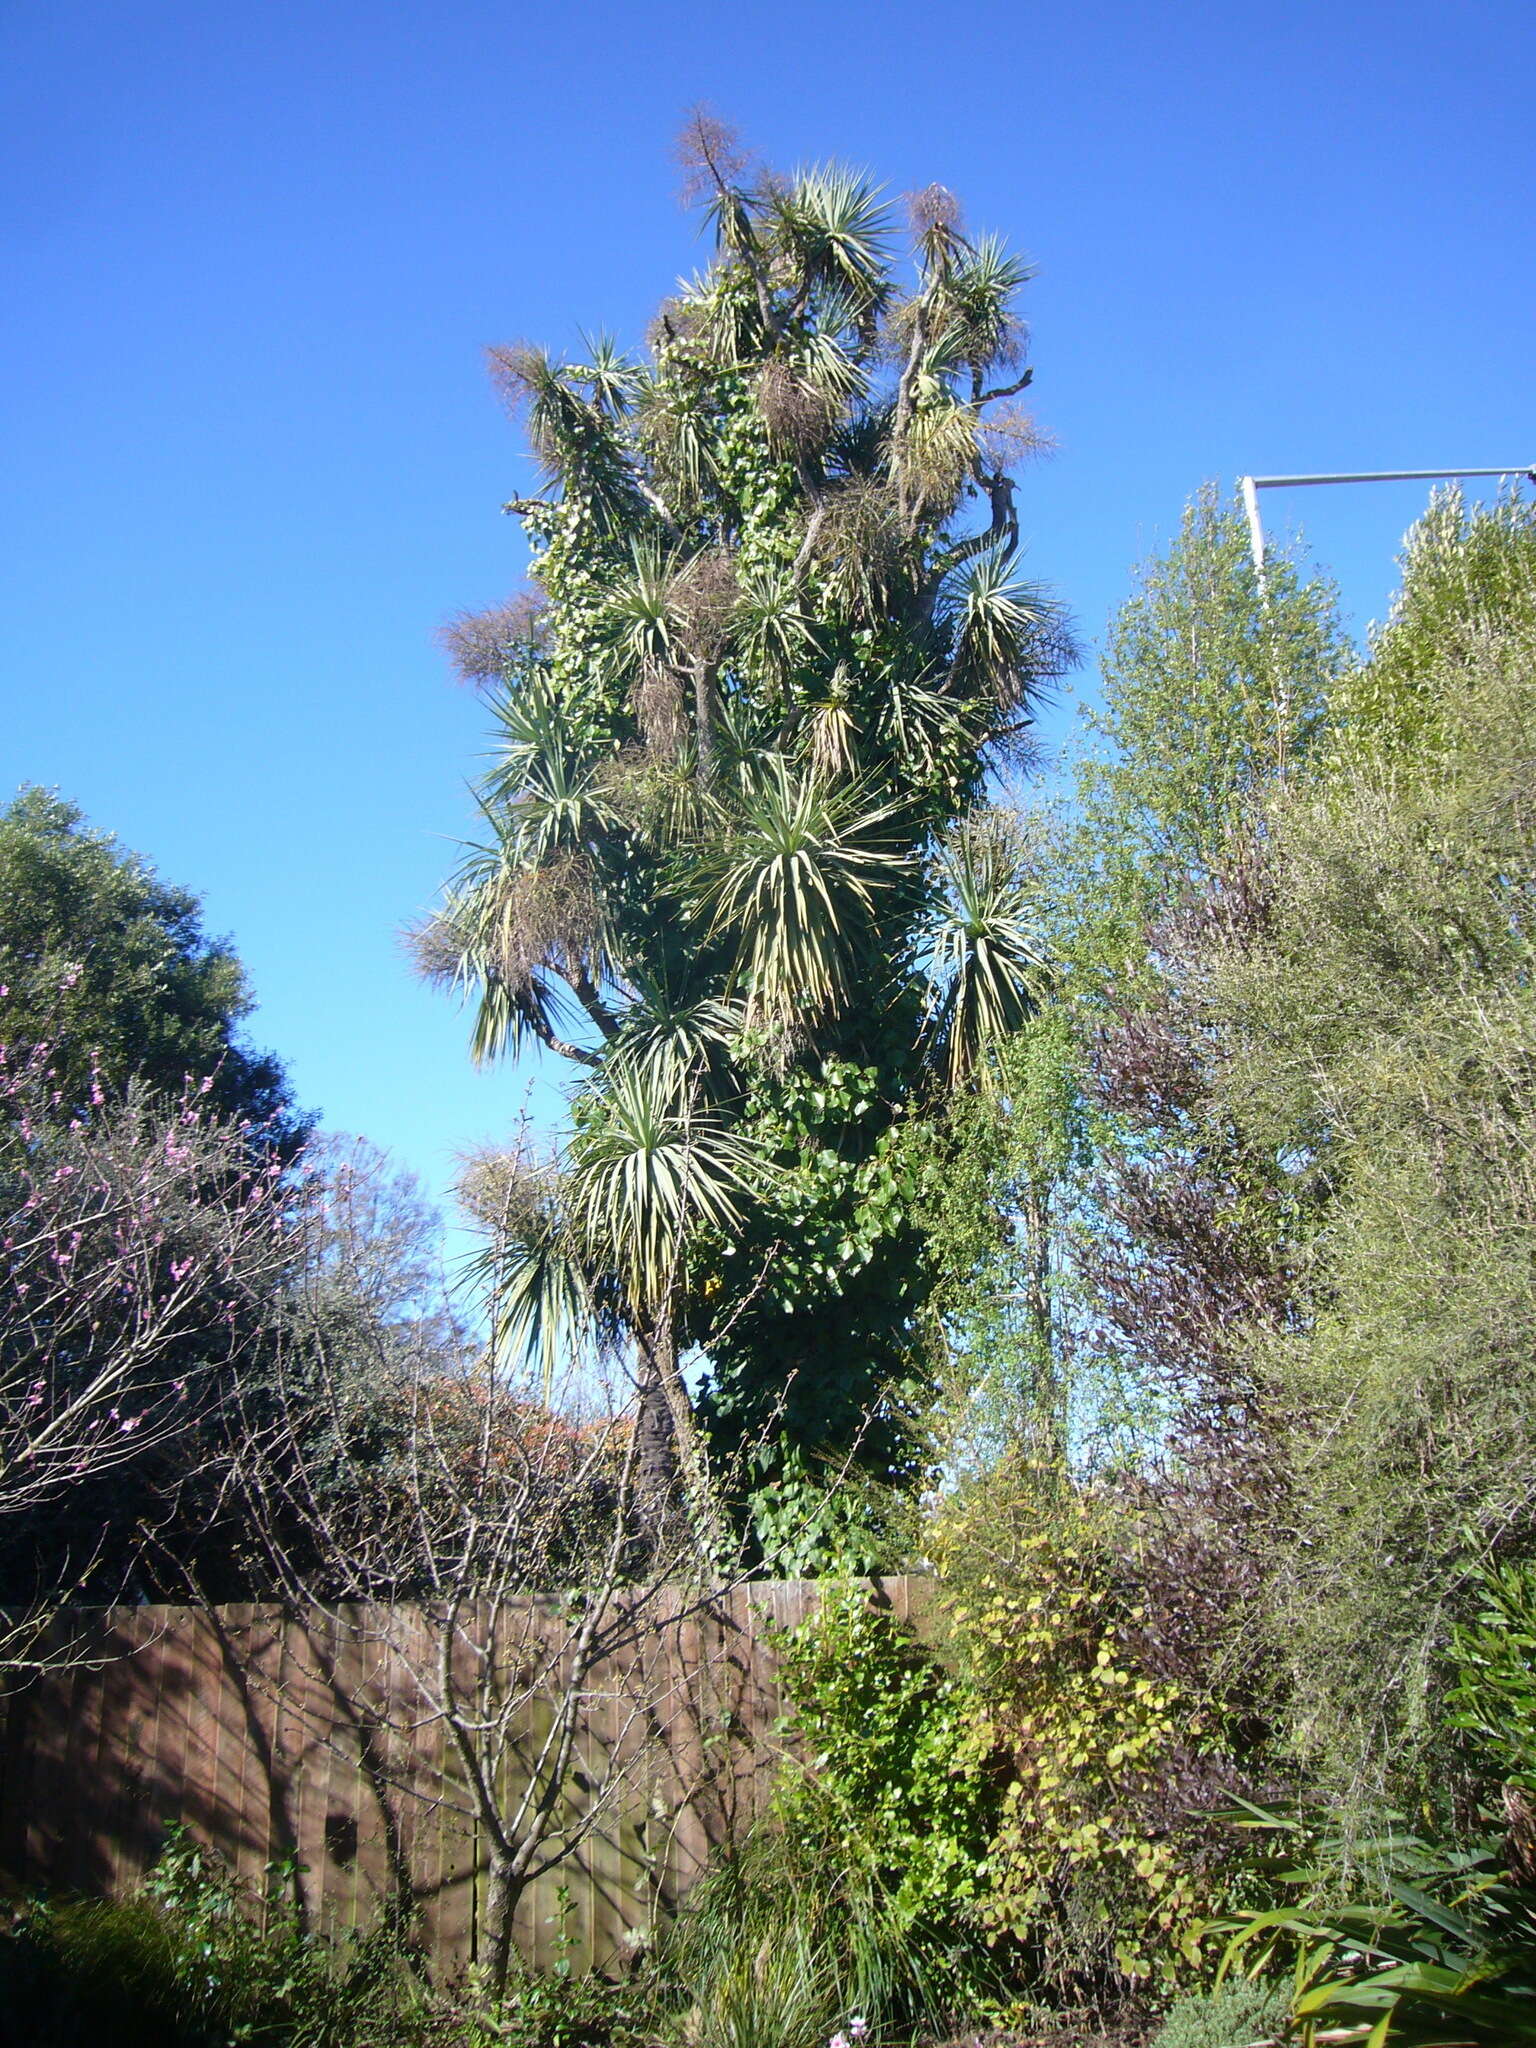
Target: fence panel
{"x": 309, "y": 1744}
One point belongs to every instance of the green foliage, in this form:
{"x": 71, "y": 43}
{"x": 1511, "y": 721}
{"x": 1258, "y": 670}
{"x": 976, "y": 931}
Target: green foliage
{"x": 1466, "y": 572}
{"x": 1239, "y": 2014}
{"x": 1437, "y": 1948}
{"x": 1376, "y": 1030}
{"x": 1492, "y": 1697}
{"x": 995, "y": 1170}
{"x": 790, "y": 1938}
{"x": 895, "y": 1796}
{"x": 1211, "y": 690}
{"x": 756, "y": 1954}
{"x": 1296, "y": 929}
{"x": 1181, "y": 1228}
{"x": 563, "y": 2007}
{"x": 811, "y": 1523}
{"x": 1092, "y": 1867}
{"x": 110, "y": 967}
{"x": 180, "y": 1964}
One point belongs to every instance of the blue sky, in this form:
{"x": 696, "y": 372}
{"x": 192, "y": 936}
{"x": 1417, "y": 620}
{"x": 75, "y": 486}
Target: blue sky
{"x": 252, "y": 254}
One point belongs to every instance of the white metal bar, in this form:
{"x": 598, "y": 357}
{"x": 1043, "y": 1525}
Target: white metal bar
{"x": 1250, "y": 486}
{"x": 1390, "y": 476}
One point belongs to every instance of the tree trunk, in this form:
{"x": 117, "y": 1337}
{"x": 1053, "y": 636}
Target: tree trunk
{"x": 704, "y": 698}
{"x": 506, "y": 1893}
{"x": 656, "y": 1457}
{"x": 669, "y": 1459}
{"x": 1037, "y": 1310}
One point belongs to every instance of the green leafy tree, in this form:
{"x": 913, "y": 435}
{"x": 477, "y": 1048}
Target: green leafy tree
{"x": 111, "y": 969}
{"x": 1211, "y": 689}
{"x": 733, "y": 870}
{"x": 1466, "y": 571}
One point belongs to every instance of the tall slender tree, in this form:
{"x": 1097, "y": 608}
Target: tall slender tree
{"x": 735, "y": 867}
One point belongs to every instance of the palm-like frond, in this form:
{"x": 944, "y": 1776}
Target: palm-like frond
{"x": 731, "y": 211}
{"x": 506, "y": 928}
{"x": 986, "y": 963}
{"x": 545, "y": 792}
{"x": 571, "y": 434}
{"x": 924, "y": 727}
{"x": 726, "y": 315}
{"x": 646, "y": 1171}
{"x": 676, "y": 434}
{"x": 543, "y": 1303}
{"x": 658, "y": 796}
{"x": 938, "y": 453}
{"x": 639, "y": 621}
{"x": 744, "y": 742}
{"x": 1004, "y": 631}
{"x": 860, "y": 548}
{"x": 978, "y": 304}
{"x": 795, "y": 887}
{"x": 830, "y": 733}
{"x": 832, "y": 225}
{"x": 612, "y": 378}
{"x": 674, "y": 1040}
{"x": 772, "y": 633}
{"x": 860, "y": 446}
{"x": 824, "y": 361}
{"x": 558, "y": 805}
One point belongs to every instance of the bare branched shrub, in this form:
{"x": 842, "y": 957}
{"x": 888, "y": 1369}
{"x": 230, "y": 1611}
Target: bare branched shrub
{"x": 710, "y": 155}
{"x": 482, "y": 646}
{"x": 142, "y": 1249}
{"x": 516, "y": 1602}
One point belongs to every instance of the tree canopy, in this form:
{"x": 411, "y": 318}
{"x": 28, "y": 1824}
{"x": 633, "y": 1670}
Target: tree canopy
{"x": 111, "y": 968}
{"x": 738, "y": 865}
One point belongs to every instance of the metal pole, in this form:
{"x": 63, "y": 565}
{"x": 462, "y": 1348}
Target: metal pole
{"x": 1250, "y": 487}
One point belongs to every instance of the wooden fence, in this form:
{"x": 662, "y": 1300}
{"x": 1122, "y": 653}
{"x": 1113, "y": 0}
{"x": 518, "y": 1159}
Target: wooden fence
{"x": 272, "y": 1740}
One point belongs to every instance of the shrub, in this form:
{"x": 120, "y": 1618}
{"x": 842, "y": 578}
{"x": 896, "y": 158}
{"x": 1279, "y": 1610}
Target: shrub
{"x": 1493, "y": 1692}
{"x": 1433, "y": 1948}
{"x": 878, "y": 1838}
{"x": 565, "y": 2008}
{"x": 1102, "y": 1864}
{"x": 754, "y": 1956}
{"x": 792, "y": 1939}
{"x": 179, "y": 1965}
{"x": 897, "y": 1770}
{"x": 1234, "y": 2015}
